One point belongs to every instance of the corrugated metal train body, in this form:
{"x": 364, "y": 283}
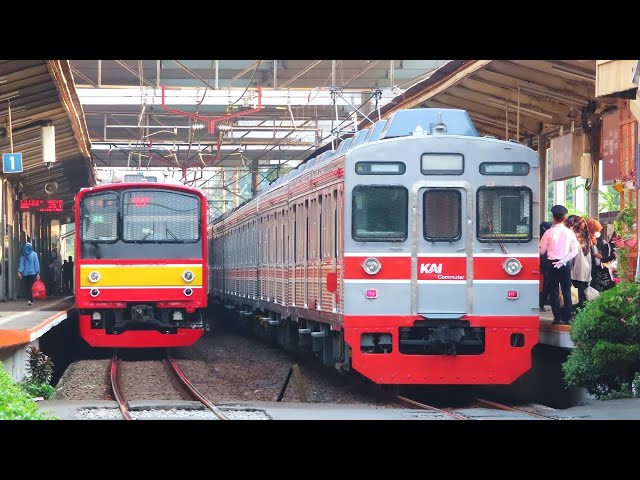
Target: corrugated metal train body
{"x": 450, "y": 218}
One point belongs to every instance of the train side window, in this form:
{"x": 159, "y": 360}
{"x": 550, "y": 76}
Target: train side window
{"x": 442, "y": 215}
{"x": 504, "y": 214}
{"x": 379, "y": 213}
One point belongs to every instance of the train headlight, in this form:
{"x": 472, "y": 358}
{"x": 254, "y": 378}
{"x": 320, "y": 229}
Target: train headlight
{"x": 94, "y": 277}
{"x": 188, "y": 292}
{"x": 512, "y": 266}
{"x": 94, "y": 292}
{"x": 188, "y": 276}
{"x": 371, "y": 266}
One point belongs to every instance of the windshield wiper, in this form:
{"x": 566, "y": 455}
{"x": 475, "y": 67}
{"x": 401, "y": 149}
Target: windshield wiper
{"x": 498, "y": 239}
{"x": 170, "y": 233}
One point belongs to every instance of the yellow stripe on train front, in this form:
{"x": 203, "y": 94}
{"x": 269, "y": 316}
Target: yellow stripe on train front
{"x": 141, "y": 275}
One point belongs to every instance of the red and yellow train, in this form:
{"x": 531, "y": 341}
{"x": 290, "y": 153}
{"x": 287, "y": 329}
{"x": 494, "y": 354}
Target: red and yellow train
{"x": 141, "y": 263}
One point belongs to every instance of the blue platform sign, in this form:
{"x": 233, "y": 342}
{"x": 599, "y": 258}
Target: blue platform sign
{"x": 12, "y": 162}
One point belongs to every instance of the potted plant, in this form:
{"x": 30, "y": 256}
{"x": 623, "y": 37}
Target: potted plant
{"x": 623, "y": 227}
{"x": 627, "y": 181}
{"x": 623, "y": 223}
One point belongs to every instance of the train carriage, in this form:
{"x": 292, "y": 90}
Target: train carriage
{"x": 141, "y": 264}
{"x": 409, "y": 254}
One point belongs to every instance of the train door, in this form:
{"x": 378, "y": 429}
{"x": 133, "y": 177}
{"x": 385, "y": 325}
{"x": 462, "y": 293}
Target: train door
{"x": 260, "y": 258}
{"x": 253, "y": 259}
{"x": 340, "y": 249}
{"x": 291, "y": 258}
{"x": 282, "y": 261}
{"x": 328, "y": 264}
{"x": 273, "y": 272}
{"x": 302, "y": 242}
{"x": 312, "y": 264}
{"x": 444, "y": 253}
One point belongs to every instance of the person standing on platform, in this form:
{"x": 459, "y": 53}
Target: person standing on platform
{"x": 67, "y": 275}
{"x": 545, "y": 271}
{"x": 561, "y": 245}
{"x": 29, "y": 269}
{"x": 602, "y": 253}
{"x": 581, "y": 269}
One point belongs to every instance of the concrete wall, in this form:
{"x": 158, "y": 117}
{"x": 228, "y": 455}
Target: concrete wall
{"x": 544, "y": 383}
{"x": 14, "y": 360}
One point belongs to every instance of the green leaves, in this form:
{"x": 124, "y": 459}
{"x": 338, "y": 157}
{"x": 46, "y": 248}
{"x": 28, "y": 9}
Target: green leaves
{"x": 14, "y": 404}
{"x": 606, "y": 333}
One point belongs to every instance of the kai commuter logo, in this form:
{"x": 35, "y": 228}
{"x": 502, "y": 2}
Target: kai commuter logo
{"x": 430, "y": 268}
{"x": 435, "y": 269}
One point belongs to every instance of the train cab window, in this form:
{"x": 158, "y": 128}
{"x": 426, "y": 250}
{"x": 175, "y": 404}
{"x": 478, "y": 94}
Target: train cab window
{"x": 504, "y": 214}
{"x": 160, "y": 216}
{"x": 379, "y": 213}
{"x": 442, "y": 215}
{"x": 99, "y": 214}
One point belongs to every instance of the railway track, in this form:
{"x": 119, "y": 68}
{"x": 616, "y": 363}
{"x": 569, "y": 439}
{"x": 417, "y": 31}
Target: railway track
{"x": 182, "y": 384}
{"x": 424, "y": 406}
{"x": 193, "y": 391}
{"x": 508, "y": 408}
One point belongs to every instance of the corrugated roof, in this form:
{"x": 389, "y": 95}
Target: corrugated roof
{"x": 524, "y": 97}
{"x": 42, "y": 92}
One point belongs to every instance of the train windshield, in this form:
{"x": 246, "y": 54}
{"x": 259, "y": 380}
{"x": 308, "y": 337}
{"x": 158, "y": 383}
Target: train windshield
{"x": 160, "y": 216}
{"x": 504, "y": 214}
{"x": 100, "y": 218}
{"x": 379, "y": 213}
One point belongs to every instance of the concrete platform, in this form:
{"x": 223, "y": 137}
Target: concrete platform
{"x": 554, "y": 335}
{"x": 21, "y": 324}
{"x": 628, "y": 409}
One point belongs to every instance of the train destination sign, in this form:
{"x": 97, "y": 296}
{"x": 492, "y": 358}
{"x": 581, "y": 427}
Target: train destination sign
{"x": 41, "y": 205}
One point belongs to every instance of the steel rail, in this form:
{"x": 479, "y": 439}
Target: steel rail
{"x": 116, "y": 367}
{"x": 424, "y": 406}
{"x": 194, "y": 391}
{"x": 500, "y": 406}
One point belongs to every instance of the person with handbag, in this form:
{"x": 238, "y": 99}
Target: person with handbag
{"x": 581, "y": 269}
{"x": 29, "y": 269}
{"x": 602, "y": 253}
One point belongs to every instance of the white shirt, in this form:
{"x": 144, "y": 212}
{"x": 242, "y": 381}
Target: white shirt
{"x": 559, "y": 243}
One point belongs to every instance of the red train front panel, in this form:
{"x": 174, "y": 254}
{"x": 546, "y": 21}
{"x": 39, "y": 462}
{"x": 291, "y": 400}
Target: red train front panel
{"x": 141, "y": 268}
{"x": 441, "y": 266}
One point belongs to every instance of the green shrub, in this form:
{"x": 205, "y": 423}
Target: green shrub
{"x": 40, "y": 368}
{"x": 606, "y": 333}
{"x": 34, "y": 390}
{"x": 14, "y": 404}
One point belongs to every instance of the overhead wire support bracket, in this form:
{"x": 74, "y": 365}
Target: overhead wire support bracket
{"x": 211, "y": 122}
{"x": 339, "y": 93}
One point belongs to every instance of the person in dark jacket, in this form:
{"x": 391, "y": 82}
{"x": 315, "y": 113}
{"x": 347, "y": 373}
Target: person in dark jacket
{"x": 545, "y": 272}
{"x": 603, "y": 252}
{"x": 67, "y": 275}
{"x": 29, "y": 269}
